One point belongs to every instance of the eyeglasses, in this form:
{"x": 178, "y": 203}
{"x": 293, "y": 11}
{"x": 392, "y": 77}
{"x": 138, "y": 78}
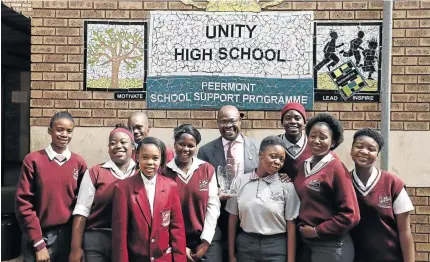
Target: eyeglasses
{"x": 227, "y": 122}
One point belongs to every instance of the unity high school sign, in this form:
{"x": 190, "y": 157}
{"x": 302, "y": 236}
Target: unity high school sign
{"x": 207, "y": 60}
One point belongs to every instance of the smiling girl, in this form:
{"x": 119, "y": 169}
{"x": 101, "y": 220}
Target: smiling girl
{"x": 329, "y": 206}
{"x": 198, "y": 192}
{"x": 46, "y": 194}
{"x": 91, "y": 233}
{"x": 384, "y": 205}
{"x": 147, "y": 221}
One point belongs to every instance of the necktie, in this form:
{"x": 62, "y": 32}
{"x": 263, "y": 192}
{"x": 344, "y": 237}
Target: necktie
{"x": 293, "y": 149}
{"x": 229, "y": 151}
{"x": 60, "y": 158}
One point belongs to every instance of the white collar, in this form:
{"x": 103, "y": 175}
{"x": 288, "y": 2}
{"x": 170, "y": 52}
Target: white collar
{"x": 371, "y": 183}
{"x": 299, "y": 143}
{"x": 52, "y": 154}
{"x": 321, "y": 164}
{"x": 185, "y": 177}
{"x": 111, "y": 165}
{"x": 239, "y": 139}
{"x": 148, "y": 182}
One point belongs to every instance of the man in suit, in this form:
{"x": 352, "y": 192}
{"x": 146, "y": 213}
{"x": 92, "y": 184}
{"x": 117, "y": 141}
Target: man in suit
{"x": 231, "y": 145}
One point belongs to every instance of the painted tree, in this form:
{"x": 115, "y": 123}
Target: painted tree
{"x": 115, "y": 47}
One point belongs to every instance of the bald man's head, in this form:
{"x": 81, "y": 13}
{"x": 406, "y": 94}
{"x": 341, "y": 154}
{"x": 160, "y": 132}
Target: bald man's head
{"x": 139, "y": 123}
{"x": 229, "y": 122}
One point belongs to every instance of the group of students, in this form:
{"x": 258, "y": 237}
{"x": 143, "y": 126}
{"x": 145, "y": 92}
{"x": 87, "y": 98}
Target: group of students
{"x": 295, "y": 200}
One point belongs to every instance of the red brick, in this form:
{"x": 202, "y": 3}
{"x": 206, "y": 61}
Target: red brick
{"x": 178, "y": 114}
{"x": 41, "y": 103}
{"x": 79, "y": 95}
{"x": 80, "y": 112}
{"x": 91, "y": 122}
{"x": 165, "y": 123}
{"x": 67, "y": 103}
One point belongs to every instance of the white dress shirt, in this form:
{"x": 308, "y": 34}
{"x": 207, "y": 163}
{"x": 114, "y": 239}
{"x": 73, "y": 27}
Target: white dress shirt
{"x": 52, "y": 154}
{"x": 214, "y": 204}
{"x": 402, "y": 204}
{"x": 320, "y": 165}
{"x": 295, "y": 150}
{"x": 238, "y": 152}
{"x": 150, "y": 189}
{"x": 87, "y": 189}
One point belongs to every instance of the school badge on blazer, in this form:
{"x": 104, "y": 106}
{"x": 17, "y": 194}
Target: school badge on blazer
{"x": 203, "y": 185}
{"x": 384, "y": 202}
{"x": 165, "y": 217}
{"x": 75, "y": 173}
{"x": 314, "y": 185}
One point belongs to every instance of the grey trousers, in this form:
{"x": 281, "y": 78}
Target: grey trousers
{"x": 97, "y": 245}
{"x": 259, "y": 248}
{"x": 57, "y": 242}
{"x": 214, "y": 252}
{"x": 341, "y": 250}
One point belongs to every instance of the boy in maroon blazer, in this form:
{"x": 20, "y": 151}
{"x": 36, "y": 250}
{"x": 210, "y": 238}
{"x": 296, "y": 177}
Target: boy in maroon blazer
{"x": 384, "y": 231}
{"x": 147, "y": 221}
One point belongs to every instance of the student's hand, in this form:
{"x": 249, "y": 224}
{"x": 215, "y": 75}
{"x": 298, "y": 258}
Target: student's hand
{"x": 42, "y": 255}
{"x": 201, "y": 250}
{"x": 285, "y": 178}
{"x": 189, "y": 258}
{"x": 223, "y": 197}
{"x": 77, "y": 255}
{"x": 308, "y": 232}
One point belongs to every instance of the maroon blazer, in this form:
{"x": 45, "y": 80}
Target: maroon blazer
{"x": 136, "y": 236}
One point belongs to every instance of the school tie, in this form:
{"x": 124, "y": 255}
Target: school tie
{"x": 60, "y": 158}
{"x": 229, "y": 151}
{"x": 294, "y": 149}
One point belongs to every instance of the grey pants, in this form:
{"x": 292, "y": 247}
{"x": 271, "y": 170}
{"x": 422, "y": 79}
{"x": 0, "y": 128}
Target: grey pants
{"x": 97, "y": 245}
{"x": 341, "y": 250}
{"x": 259, "y": 248}
{"x": 57, "y": 242}
{"x": 214, "y": 252}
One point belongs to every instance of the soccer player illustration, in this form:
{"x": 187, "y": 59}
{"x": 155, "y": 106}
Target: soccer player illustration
{"x": 370, "y": 56}
{"x": 329, "y": 53}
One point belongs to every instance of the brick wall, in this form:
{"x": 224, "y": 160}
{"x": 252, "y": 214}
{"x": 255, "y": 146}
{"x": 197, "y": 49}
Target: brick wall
{"x": 20, "y": 6}
{"x": 57, "y": 79}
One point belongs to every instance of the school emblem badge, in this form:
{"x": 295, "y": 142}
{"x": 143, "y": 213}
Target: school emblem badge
{"x": 314, "y": 185}
{"x": 203, "y": 185}
{"x": 384, "y": 202}
{"x": 165, "y": 218}
{"x": 275, "y": 196}
{"x": 75, "y": 173}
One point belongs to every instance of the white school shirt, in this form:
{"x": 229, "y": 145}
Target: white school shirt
{"x": 150, "y": 189}
{"x": 87, "y": 190}
{"x": 295, "y": 150}
{"x": 264, "y": 204}
{"x": 402, "y": 204}
{"x": 214, "y": 205}
{"x": 237, "y": 150}
{"x": 52, "y": 154}
{"x": 320, "y": 165}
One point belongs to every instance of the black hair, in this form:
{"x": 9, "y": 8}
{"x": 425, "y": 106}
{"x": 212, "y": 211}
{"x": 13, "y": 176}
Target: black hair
{"x": 156, "y": 142}
{"x": 61, "y": 115}
{"x": 332, "y": 123}
{"x": 373, "y": 43}
{"x": 360, "y": 34}
{"x": 187, "y": 129}
{"x": 272, "y": 141}
{"x": 372, "y": 133}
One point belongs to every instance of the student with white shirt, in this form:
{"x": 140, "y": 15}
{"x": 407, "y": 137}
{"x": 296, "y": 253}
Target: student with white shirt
{"x": 198, "y": 191}
{"x": 147, "y": 220}
{"x": 329, "y": 208}
{"x": 266, "y": 208}
{"x": 384, "y": 230}
{"x": 46, "y": 194}
{"x": 91, "y": 232}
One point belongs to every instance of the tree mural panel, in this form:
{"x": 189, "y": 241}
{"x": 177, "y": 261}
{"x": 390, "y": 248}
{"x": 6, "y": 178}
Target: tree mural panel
{"x": 115, "y": 55}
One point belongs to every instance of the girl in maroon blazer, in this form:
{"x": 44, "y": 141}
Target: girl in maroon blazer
{"x": 329, "y": 206}
{"x": 198, "y": 192}
{"x": 147, "y": 221}
{"x": 384, "y": 231}
{"x": 46, "y": 194}
{"x": 91, "y": 233}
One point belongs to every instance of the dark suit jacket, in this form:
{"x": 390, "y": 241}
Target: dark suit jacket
{"x": 138, "y": 236}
